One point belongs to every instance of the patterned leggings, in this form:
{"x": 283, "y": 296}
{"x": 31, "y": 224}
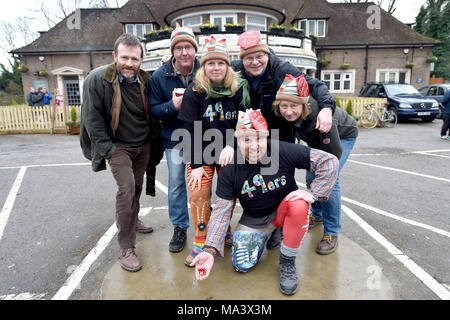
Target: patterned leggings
{"x": 200, "y": 201}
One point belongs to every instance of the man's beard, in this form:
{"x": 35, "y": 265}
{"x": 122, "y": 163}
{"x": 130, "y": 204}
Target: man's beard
{"x": 128, "y": 74}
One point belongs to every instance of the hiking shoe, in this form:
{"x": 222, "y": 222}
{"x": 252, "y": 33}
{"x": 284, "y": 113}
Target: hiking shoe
{"x": 178, "y": 240}
{"x": 129, "y": 260}
{"x": 327, "y": 245}
{"x": 274, "y": 241}
{"x": 194, "y": 252}
{"x": 313, "y": 221}
{"x": 142, "y": 228}
{"x": 444, "y": 137}
{"x": 288, "y": 275}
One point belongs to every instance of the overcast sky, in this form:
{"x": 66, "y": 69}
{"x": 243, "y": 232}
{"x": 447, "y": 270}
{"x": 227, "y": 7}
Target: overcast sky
{"x": 406, "y": 12}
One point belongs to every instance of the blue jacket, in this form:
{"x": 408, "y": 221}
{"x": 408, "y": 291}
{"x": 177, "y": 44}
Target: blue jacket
{"x": 446, "y": 102}
{"x": 164, "y": 80}
{"x": 47, "y": 98}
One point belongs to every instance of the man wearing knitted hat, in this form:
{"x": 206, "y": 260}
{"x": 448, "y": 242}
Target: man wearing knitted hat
{"x": 269, "y": 200}
{"x": 265, "y": 73}
{"x": 294, "y": 104}
{"x": 166, "y": 88}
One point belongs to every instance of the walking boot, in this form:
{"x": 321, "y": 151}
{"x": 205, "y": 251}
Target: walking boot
{"x": 129, "y": 260}
{"x": 178, "y": 240}
{"x": 313, "y": 221}
{"x": 142, "y": 228}
{"x": 288, "y": 275}
{"x": 327, "y": 245}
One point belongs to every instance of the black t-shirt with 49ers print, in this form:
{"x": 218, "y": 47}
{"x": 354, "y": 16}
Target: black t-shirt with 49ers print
{"x": 260, "y": 194}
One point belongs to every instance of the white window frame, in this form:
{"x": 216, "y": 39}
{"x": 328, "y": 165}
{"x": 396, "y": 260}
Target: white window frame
{"x": 316, "y": 27}
{"x": 351, "y": 72}
{"x": 397, "y": 74}
{"x": 261, "y": 27}
{"x": 195, "y": 27}
{"x": 223, "y": 17}
{"x": 143, "y": 25}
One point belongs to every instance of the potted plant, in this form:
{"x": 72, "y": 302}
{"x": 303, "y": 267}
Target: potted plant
{"x": 208, "y": 27}
{"x": 42, "y": 73}
{"x": 165, "y": 31}
{"x": 409, "y": 64}
{"x": 22, "y": 68}
{"x": 234, "y": 27}
{"x": 151, "y": 35}
{"x": 325, "y": 61}
{"x": 73, "y": 124}
{"x": 293, "y": 30}
{"x": 345, "y": 64}
{"x": 276, "y": 28}
{"x": 432, "y": 59}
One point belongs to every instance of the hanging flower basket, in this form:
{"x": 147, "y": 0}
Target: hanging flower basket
{"x": 42, "y": 73}
{"x": 345, "y": 65}
{"x": 409, "y": 64}
{"x": 325, "y": 62}
{"x": 432, "y": 59}
{"x": 22, "y": 68}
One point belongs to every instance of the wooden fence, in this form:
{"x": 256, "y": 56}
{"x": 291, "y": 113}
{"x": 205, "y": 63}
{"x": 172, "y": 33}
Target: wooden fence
{"x": 358, "y": 103}
{"x": 25, "y": 119}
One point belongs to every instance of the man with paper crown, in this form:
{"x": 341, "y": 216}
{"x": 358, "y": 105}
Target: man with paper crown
{"x": 166, "y": 87}
{"x": 294, "y": 105}
{"x": 265, "y": 73}
{"x": 270, "y": 200}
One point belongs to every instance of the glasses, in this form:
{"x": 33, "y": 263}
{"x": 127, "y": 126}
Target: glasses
{"x": 259, "y": 57}
{"x": 180, "y": 49}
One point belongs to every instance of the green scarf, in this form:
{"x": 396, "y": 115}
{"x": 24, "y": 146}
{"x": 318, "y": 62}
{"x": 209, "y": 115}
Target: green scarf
{"x": 218, "y": 91}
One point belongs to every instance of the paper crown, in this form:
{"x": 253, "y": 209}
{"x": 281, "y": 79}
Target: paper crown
{"x": 214, "y": 49}
{"x": 294, "y": 89}
{"x": 182, "y": 34}
{"x": 251, "y": 122}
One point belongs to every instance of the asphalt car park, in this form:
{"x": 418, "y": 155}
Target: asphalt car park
{"x": 57, "y": 238}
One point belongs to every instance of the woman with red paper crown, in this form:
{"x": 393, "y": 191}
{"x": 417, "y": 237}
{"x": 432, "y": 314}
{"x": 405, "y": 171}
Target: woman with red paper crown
{"x": 294, "y": 104}
{"x": 270, "y": 199}
{"x": 214, "y": 100}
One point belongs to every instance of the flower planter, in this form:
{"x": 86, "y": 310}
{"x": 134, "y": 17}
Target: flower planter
{"x": 209, "y": 30}
{"x": 42, "y": 73}
{"x": 345, "y": 66}
{"x": 432, "y": 59}
{"x": 324, "y": 63}
{"x": 296, "y": 33}
{"x": 276, "y": 31}
{"x": 234, "y": 29}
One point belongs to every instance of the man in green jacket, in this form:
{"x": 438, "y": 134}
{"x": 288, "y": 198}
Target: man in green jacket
{"x": 115, "y": 127}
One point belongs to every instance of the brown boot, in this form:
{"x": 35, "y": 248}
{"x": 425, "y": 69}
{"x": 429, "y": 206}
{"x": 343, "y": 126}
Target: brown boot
{"x": 129, "y": 260}
{"x": 327, "y": 245}
{"x": 142, "y": 228}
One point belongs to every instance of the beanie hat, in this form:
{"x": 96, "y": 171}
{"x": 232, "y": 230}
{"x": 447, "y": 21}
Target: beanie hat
{"x": 251, "y": 122}
{"x": 294, "y": 89}
{"x": 182, "y": 34}
{"x": 214, "y": 50}
{"x": 250, "y": 42}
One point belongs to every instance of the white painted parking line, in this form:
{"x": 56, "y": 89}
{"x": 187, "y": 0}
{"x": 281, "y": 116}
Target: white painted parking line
{"x": 23, "y": 296}
{"x": 391, "y": 215}
{"x": 9, "y": 203}
{"x": 424, "y": 152}
{"x": 161, "y": 187}
{"x": 49, "y": 165}
{"x": 77, "y": 275}
{"x": 431, "y": 154}
{"x": 415, "y": 269}
{"x": 398, "y": 170}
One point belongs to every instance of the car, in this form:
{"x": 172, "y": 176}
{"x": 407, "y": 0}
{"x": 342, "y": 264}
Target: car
{"x": 436, "y": 91}
{"x": 403, "y": 99}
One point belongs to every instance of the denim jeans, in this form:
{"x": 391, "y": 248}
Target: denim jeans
{"x": 178, "y": 210}
{"x": 330, "y": 211}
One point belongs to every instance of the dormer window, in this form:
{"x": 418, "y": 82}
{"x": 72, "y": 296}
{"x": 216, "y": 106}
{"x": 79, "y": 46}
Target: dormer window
{"x": 313, "y": 26}
{"x": 138, "y": 29}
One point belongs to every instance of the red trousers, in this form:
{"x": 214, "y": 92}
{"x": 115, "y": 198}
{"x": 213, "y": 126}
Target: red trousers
{"x": 294, "y": 218}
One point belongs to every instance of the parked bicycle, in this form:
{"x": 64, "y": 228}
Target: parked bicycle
{"x": 370, "y": 118}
